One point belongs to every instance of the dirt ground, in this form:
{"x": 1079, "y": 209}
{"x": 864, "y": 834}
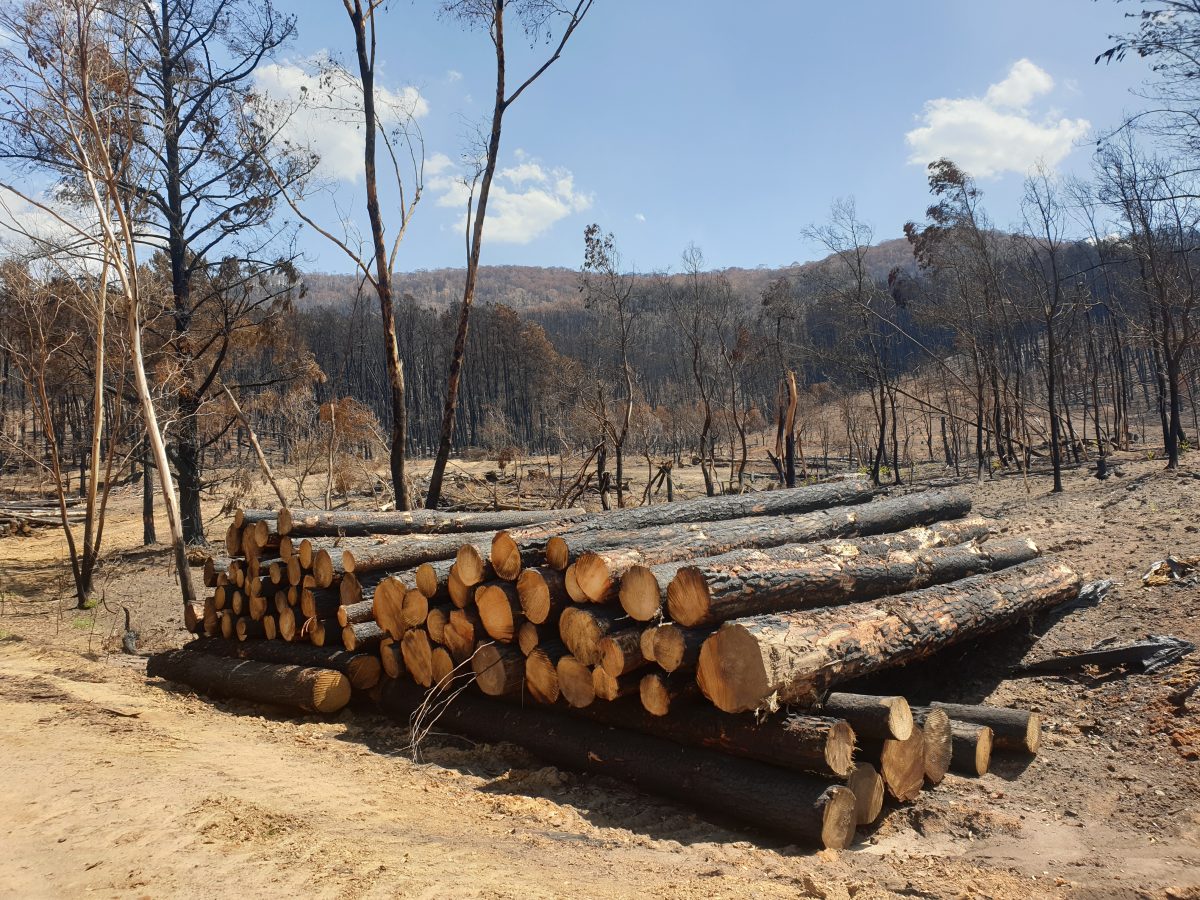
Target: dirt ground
{"x": 126, "y": 787}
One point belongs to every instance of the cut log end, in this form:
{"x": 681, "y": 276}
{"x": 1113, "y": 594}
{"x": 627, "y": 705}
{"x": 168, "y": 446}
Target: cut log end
{"x": 838, "y": 820}
{"x": 688, "y": 596}
{"x": 640, "y": 594}
{"x": 594, "y": 577}
{"x": 470, "y": 565}
{"x": 731, "y": 672}
{"x": 505, "y": 556}
{"x": 499, "y": 671}
{"x": 868, "y": 793}
{"x": 575, "y": 682}
{"x": 558, "y": 554}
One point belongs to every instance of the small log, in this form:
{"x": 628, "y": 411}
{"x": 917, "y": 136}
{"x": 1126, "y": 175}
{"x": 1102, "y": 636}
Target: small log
{"x": 472, "y": 566}
{"x": 901, "y": 763}
{"x": 1014, "y": 730}
{"x": 414, "y": 608}
{"x": 499, "y": 608}
{"x": 676, "y": 648}
{"x": 270, "y": 629}
{"x": 499, "y": 670}
{"x": 468, "y": 623}
{"x": 418, "y": 656}
{"x": 575, "y": 682}
{"x": 621, "y": 651}
{"x": 541, "y": 675}
{"x": 795, "y": 657}
{"x": 528, "y": 637}
{"x": 647, "y": 644}
{"x": 870, "y": 716}
{"x": 249, "y": 628}
{"x": 800, "y": 808}
{"x": 867, "y": 785}
{"x": 392, "y": 657}
{"x": 571, "y": 586}
{"x": 323, "y": 632}
{"x": 289, "y": 628}
{"x": 939, "y": 743}
{"x": 461, "y": 595}
{"x": 298, "y": 687}
{"x": 430, "y": 579}
{"x": 228, "y": 625}
{"x": 582, "y": 628}
{"x": 441, "y": 665}
{"x": 611, "y": 687}
{"x": 355, "y": 613}
{"x": 543, "y": 594}
{"x": 363, "y": 636}
{"x": 971, "y": 752}
{"x": 658, "y": 691}
{"x": 437, "y": 621}
{"x": 387, "y": 607}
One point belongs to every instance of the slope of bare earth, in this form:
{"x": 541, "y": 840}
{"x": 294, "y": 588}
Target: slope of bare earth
{"x": 120, "y": 786}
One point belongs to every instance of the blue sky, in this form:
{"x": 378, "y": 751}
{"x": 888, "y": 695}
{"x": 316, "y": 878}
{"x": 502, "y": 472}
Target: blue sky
{"x": 730, "y": 125}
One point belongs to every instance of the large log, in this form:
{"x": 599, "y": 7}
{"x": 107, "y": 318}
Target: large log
{"x": 795, "y": 657}
{"x": 871, "y": 716}
{"x": 582, "y": 628}
{"x": 513, "y": 549}
{"x": 298, "y": 687}
{"x": 938, "y": 740}
{"x": 500, "y": 609}
{"x": 543, "y": 593}
{"x": 361, "y": 668}
{"x": 813, "y": 744}
{"x": 901, "y": 763}
{"x": 499, "y": 670}
{"x": 605, "y": 556}
{"x": 320, "y": 523}
{"x": 798, "y": 807}
{"x": 710, "y": 592}
{"x": 867, "y": 785}
{"x": 1016, "y": 730}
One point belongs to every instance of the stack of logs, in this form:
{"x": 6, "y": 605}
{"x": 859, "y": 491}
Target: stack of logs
{"x": 700, "y": 647}
{"x": 20, "y": 517}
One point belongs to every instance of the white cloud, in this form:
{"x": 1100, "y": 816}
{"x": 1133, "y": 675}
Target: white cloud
{"x": 641, "y": 217}
{"x": 453, "y": 75}
{"x": 525, "y": 202}
{"x": 326, "y": 117}
{"x": 997, "y": 133}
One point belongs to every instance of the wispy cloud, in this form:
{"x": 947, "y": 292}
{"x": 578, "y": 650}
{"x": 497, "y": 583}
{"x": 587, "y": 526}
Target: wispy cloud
{"x": 326, "y": 110}
{"x": 526, "y": 200}
{"x": 641, "y": 217}
{"x": 998, "y": 132}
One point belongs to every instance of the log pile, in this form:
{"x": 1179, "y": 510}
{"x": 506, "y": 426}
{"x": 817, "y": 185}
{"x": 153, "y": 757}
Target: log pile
{"x": 701, "y": 648}
{"x": 21, "y": 517}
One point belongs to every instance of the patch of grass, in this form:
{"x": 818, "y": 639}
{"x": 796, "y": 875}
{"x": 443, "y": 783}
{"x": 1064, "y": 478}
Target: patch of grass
{"x": 5, "y": 635}
{"x": 91, "y": 603}
{"x": 83, "y": 623}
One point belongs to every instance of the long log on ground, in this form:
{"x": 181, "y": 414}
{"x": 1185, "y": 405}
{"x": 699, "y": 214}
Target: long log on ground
{"x": 563, "y": 542}
{"x": 298, "y": 687}
{"x": 871, "y": 716}
{"x": 361, "y": 668}
{"x": 321, "y": 523}
{"x": 604, "y": 556}
{"x": 813, "y": 744}
{"x": 1016, "y": 730}
{"x": 867, "y": 785}
{"x": 901, "y": 763}
{"x": 800, "y": 808}
{"x": 796, "y": 657}
{"x": 708, "y": 593}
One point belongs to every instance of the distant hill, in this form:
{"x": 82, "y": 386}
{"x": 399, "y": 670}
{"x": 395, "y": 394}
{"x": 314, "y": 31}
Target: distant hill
{"x": 538, "y": 288}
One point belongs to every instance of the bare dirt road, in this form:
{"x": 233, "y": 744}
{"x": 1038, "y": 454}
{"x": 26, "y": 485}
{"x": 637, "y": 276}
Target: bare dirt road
{"x": 116, "y": 786}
